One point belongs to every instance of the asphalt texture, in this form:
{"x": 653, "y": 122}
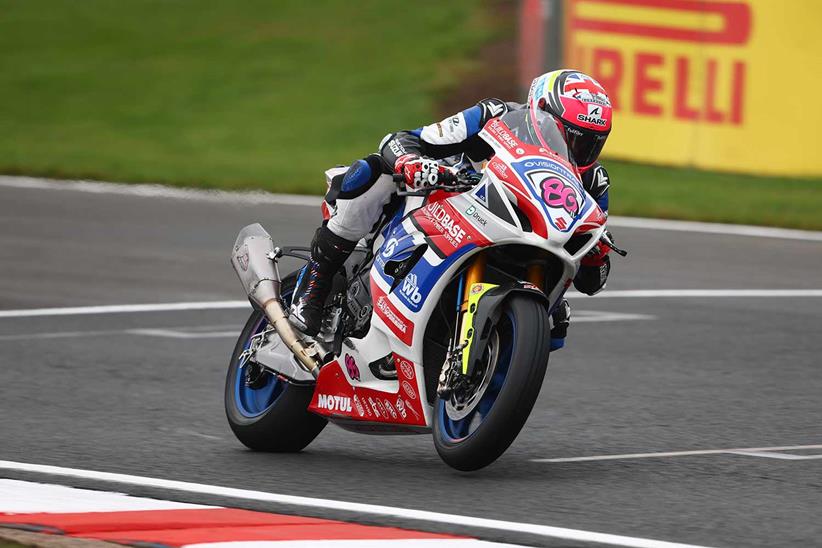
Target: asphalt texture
{"x": 696, "y": 373}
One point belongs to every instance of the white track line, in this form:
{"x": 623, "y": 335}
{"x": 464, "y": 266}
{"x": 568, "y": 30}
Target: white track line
{"x": 772, "y": 455}
{"x": 372, "y": 509}
{"x": 120, "y": 308}
{"x": 215, "y": 305}
{"x": 25, "y": 497}
{"x": 169, "y": 333}
{"x": 261, "y": 197}
{"x": 664, "y": 454}
{"x": 161, "y": 191}
{"x": 715, "y": 228}
{"x": 698, "y": 293}
{"x": 359, "y": 543}
{"x": 586, "y": 316}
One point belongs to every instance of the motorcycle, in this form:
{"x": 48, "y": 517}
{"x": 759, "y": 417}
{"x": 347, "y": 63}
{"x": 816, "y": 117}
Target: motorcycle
{"x": 440, "y": 319}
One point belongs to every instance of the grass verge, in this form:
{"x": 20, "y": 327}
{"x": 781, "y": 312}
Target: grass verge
{"x": 262, "y": 94}
{"x": 652, "y": 191}
{"x": 221, "y": 94}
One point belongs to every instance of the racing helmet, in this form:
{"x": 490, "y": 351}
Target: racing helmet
{"x": 581, "y": 108}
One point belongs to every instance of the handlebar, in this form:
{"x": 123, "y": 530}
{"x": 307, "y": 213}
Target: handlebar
{"x": 451, "y": 182}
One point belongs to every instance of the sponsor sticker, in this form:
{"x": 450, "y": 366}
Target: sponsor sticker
{"x": 445, "y": 224}
{"x": 409, "y": 390}
{"x": 402, "y": 327}
{"x": 474, "y": 214}
{"x": 359, "y": 406}
{"x": 334, "y": 403}
{"x": 401, "y": 408}
{"x": 373, "y": 405}
{"x": 407, "y": 369}
{"x": 351, "y": 367}
{"x": 381, "y": 407}
{"x": 389, "y": 247}
{"x": 242, "y": 258}
{"x": 410, "y": 291}
{"x": 556, "y": 193}
{"x": 499, "y": 131}
{"x": 396, "y": 147}
{"x": 594, "y": 115}
{"x": 391, "y": 409}
{"x": 411, "y": 408}
{"x": 388, "y": 313}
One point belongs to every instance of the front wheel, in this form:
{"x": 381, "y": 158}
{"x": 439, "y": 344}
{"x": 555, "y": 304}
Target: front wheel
{"x": 265, "y": 412}
{"x": 474, "y": 427}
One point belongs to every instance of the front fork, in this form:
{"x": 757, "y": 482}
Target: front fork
{"x": 470, "y": 289}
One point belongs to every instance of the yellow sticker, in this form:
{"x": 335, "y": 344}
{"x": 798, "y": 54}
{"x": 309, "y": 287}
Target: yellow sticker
{"x": 467, "y": 331}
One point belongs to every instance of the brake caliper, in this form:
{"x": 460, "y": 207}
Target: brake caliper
{"x": 456, "y": 363}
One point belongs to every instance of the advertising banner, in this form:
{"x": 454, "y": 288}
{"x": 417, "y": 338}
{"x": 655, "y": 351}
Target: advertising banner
{"x": 716, "y": 84}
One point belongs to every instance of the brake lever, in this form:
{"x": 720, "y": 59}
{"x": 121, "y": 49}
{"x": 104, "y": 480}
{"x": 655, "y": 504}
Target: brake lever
{"x": 610, "y": 243}
{"x": 429, "y": 189}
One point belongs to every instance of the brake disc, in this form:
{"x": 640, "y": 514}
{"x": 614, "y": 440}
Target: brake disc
{"x": 466, "y": 395}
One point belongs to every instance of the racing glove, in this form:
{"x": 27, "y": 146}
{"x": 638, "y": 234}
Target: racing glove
{"x": 594, "y": 269}
{"x": 422, "y": 172}
{"x": 597, "y": 256}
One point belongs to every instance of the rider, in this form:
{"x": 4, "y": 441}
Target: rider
{"x": 582, "y": 111}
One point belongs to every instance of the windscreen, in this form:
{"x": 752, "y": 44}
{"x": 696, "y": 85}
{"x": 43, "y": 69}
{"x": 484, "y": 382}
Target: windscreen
{"x": 544, "y": 133}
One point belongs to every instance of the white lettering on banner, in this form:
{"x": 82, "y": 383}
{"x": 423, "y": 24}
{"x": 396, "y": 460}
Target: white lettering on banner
{"x": 390, "y": 409}
{"x": 401, "y": 408}
{"x": 448, "y": 226}
{"x": 393, "y": 318}
{"x": 406, "y": 386}
{"x": 374, "y": 407}
{"x": 591, "y": 119}
{"x": 499, "y": 129}
{"x": 396, "y": 147}
{"x": 407, "y": 369}
{"x": 360, "y": 408}
{"x": 407, "y": 405}
{"x": 389, "y": 247}
{"x": 410, "y": 289}
{"x": 334, "y": 403}
{"x": 382, "y": 408}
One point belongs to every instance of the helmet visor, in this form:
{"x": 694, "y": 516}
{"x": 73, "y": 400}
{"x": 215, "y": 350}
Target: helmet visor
{"x": 585, "y": 145}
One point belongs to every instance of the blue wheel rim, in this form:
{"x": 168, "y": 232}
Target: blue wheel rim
{"x": 455, "y": 431}
{"x": 254, "y": 401}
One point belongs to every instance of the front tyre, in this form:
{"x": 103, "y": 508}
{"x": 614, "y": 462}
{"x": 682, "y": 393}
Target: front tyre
{"x": 472, "y": 430}
{"x": 265, "y": 412}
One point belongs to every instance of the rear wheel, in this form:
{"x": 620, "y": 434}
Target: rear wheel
{"x": 473, "y": 427}
{"x": 265, "y": 412}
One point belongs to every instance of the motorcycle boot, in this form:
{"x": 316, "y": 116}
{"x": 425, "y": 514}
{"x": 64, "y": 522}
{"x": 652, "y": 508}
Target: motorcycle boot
{"x": 328, "y": 253}
{"x": 561, "y": 317}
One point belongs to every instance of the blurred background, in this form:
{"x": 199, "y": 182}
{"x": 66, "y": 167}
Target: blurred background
{"x": 714, "y": 112}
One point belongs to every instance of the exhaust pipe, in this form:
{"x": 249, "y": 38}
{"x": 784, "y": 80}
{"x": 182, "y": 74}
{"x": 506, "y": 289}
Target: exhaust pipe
{"x": 254, "y": 259}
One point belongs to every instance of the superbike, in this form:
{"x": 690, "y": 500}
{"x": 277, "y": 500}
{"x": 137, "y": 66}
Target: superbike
{"x": 440, "y": 319}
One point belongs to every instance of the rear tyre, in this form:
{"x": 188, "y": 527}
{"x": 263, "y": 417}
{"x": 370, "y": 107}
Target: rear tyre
{"x": 471, "y": 436}
{"x": 268, "y": 414}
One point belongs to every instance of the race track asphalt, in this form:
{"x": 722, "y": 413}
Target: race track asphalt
{"x": 690, "y": 374}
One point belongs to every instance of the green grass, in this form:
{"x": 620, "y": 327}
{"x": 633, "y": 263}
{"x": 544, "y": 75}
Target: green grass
{"x": 9, "y": 544}
{"x": 221, "y": 94}
{"x": 262, "y": 94}
{"x": 652, "y": 191}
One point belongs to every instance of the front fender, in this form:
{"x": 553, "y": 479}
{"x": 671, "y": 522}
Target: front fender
{"x": 484, "y": 313}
